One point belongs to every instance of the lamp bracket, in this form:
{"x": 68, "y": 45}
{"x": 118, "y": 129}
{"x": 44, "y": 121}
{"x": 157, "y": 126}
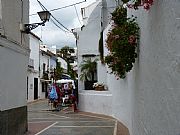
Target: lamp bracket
{"x": 29, "y": 27}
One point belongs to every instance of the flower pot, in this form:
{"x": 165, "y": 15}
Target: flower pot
{"x": 99, "y": 88}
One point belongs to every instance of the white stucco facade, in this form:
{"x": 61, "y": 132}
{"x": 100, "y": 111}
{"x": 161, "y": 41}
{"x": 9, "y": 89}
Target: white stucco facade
{"x": 157, "y": 95}
{"x": 44, "y": 60}
{"x": 89, "y": 36}
{"x": 33, "y": 68}
{"x": 14, "y": 53}
{"x": 147, "y": 100}
{"x": 13, "y": 72}
{"x": 90, "y": 100}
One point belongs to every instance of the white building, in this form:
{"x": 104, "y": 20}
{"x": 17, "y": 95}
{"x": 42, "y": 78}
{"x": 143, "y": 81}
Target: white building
{"x": 153, "y": 87}
{"x": 45, "y": 56}
{"x": 147, "y": 100}
{"x": 88, "y": 48}
{"x": 33, "y": 80}
{"x": 89, "y": 36}
{"x": 14, "y": 54}
{"x": 63, "y": 64}
{"x": 42, "y": 63}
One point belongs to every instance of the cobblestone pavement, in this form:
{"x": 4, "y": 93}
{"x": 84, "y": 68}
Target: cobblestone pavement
{"x": 42, "y": 121}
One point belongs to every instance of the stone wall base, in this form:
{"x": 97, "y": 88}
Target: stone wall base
{"x": 13, "y": 121}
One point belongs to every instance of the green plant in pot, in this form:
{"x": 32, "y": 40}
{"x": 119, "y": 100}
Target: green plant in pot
{"x": 88, "y": 69}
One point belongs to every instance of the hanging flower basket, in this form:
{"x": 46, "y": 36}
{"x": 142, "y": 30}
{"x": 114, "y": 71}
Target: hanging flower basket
{"x": 122, "y": 41}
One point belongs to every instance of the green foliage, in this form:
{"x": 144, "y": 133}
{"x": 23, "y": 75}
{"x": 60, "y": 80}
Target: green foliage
{"x": 45, "y": 76}
{"x": 58, "y": 71}
{"x": 71, "y": 72}
{"x": 65, "y": 52}
{"x": 122, "y": 42}
{"x": 88, "y": 68}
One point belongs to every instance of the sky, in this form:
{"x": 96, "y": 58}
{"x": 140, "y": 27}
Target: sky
{"x": 50, "y": 34}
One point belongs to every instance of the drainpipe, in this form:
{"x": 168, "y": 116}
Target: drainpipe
{"x": 21, "y": 17}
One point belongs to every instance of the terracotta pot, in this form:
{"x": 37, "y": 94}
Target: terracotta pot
{"x": 99, "y": 88}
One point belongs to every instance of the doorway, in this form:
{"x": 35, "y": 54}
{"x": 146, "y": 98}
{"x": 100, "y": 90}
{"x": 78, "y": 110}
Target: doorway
{"x": 35, "y": 88}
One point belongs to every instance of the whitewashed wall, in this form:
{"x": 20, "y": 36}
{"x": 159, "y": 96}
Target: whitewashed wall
{"x": 13, "y": 72}
{"x": 14, "y": 53}
{"x": 147, "y": 100}
{"x": 31, "y": 77}
{"x": 89, "y": 100}
{"x": 157, "y": 95}
{"x": 96, "y": 101}
{"x": 43, "y": 59}
{"x": 35, "y": 55}
{"x": 35, "y": 50}
{"x": 122, "y": 97}
{"x": 11, "y": 20}
{"x": 89, "y": 37}
{"x": 86, "y": 11}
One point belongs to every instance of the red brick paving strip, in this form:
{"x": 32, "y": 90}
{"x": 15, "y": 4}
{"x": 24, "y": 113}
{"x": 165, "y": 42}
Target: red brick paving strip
{"x": 121, "y": 129}
{"x": 34, "y": 128}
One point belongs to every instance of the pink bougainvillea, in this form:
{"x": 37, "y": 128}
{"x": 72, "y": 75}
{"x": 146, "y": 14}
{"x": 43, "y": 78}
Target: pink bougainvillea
{"x": 121, "y": 42}
{"x": 146, "y": 4}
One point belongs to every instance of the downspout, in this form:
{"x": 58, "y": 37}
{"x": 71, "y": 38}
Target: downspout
{"x": 21, "y": 19}
{"x": 39, "y": 59}
{"x": 101, "y": 45}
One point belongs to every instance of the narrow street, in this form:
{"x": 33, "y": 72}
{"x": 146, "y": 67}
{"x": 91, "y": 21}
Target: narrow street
{"x": 42, "y": 121}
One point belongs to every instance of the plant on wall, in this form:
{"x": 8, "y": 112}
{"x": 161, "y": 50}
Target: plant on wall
{"x": 88, "y": 68}
{"x": 146, "y": 4}
{"x": 122, "y": 41}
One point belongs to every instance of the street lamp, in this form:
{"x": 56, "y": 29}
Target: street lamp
{"x": 44, "y": 16}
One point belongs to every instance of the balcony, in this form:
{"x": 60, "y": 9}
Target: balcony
{"x": 31, "y": 65}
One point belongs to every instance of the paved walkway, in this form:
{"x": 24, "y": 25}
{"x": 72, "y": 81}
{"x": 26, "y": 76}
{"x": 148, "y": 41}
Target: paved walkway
{"x": 41, "y": 121}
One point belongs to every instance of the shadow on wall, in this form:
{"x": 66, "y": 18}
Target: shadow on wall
{"x": 88, "y": 85}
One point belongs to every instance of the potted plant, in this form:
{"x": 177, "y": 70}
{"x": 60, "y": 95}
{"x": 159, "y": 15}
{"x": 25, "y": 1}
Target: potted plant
{"x": 99, "y": 86}
{"x": 88, "y": 70}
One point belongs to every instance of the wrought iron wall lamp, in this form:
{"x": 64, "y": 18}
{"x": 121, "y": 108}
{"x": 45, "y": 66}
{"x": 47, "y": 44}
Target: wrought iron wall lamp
{"x": 44, "y": 16}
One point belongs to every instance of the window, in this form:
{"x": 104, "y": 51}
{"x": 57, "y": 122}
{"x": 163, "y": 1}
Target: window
{"x": 43, "y": 89}
{"x": 44, "y": 67}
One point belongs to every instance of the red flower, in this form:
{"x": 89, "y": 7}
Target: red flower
{"x": 146, "y": 6}
{"x": 130, "y": 5}
{"x": 150, "y": 2}
{"x": 132, "y": 39}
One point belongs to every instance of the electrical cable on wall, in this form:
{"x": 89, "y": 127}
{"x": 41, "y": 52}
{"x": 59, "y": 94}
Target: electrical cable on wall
{"x": 77, "y": 15}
